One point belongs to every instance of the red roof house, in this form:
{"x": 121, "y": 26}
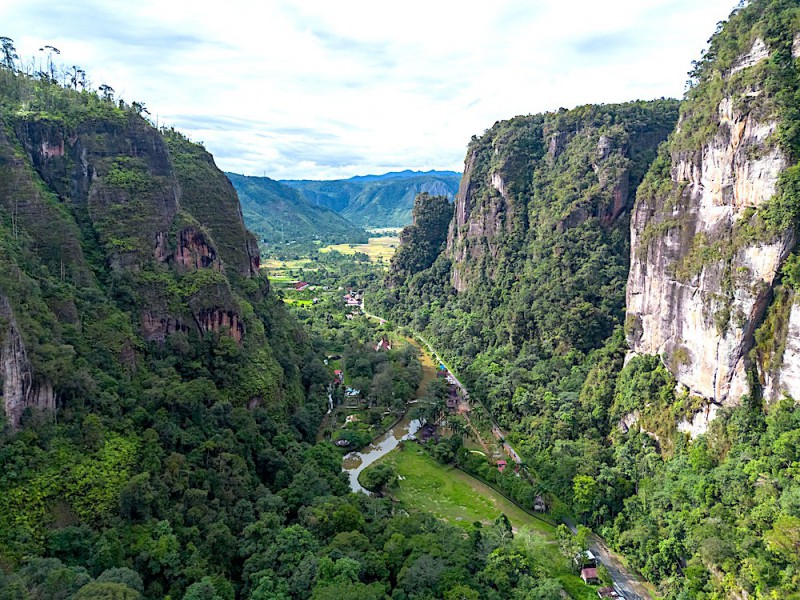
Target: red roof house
{"x": 300, "y": 286}
{"x": 589, "y": 575}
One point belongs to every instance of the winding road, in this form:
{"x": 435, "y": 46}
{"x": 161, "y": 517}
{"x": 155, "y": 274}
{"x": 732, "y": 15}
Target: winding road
{"x": 626, "y": 582}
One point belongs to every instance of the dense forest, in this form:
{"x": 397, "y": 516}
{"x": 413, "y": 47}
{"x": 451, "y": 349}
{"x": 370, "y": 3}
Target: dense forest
{"x": 527, "y": 300}
{"x": 160, "y": 402}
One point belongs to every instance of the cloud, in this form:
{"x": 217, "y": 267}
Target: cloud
{"x": 320, "y": 89}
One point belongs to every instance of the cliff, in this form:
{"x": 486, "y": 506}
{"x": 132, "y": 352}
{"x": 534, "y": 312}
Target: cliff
{"x": 114, "y": 235}
{"x": 716, "y": 218}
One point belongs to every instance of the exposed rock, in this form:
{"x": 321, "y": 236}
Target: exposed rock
{"x": 786, "y": 381}
{"x": 758, "y": 52}
{"x": 681, "y": 301}
{"x": 699, "y": 423}
{"x": 219, "y": 320}
{"x": 194, "y": 252}
{"x": 19, "y": 388}
{"x": 628, "y": 421}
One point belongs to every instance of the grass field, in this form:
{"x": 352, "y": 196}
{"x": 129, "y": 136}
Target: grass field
{"x": 451, "y": 494}
{"x": 377, "y": 248}
{"x": 454, "y": 496}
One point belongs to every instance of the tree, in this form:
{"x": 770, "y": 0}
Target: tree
{"x": 9, "y": 53}
{"x": 106, "y": 591}
{"x": 784, "y": 538}
{"x": 378, "y": 477}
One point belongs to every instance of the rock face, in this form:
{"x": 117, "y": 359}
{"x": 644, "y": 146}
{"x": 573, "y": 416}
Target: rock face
{"x": 113, "y": 234}
{"x": 516, "y": 178}
{"x": 705, "y": 252}
{"x": 20, "y": 390}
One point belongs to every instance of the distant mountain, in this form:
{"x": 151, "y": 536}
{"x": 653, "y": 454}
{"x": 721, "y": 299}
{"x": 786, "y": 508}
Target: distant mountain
{"x": 378, "y": 200}
{"x": 278, "y": 213}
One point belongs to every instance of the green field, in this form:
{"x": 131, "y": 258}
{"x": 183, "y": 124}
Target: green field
{"x": 460, "y": 499}
{"x": 451, "y": 494}
{"x": 378, "y": 249}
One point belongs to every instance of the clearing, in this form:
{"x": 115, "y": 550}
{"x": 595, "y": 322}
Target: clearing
{"x": 379, "y": 249}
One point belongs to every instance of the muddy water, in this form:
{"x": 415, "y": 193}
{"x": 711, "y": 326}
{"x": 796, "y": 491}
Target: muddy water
{"x": 355, "y": 462}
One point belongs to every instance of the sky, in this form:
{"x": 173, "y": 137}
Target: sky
{"x": 327, "y": 89}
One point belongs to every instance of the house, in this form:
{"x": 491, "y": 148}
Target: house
{"x": 339, "y": 375}
{"x": 501, "y": 465}
{"x": 427, "y": 432}
{"x": 607, "y": 592}
{"x": 300, "y": 286}
{"x": 384, "y": 344}
{"x": 589, "y": 576}
{"x": 539, "y": 505}
{"x": 352, "y": 301}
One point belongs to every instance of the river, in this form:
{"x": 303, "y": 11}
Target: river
{"x": 355, "y": 462}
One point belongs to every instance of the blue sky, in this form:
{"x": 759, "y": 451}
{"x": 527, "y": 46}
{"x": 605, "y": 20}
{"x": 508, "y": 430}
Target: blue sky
{"x": 329, "y": 89}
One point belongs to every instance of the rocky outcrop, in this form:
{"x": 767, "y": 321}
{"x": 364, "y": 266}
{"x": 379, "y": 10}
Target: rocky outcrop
{"x": 20, "y": 389}
{"x": 219, "y": 321}
{"x": 533, "y": 174}
{"x": 194, "y": 251}
{"x": 704, "y": 259}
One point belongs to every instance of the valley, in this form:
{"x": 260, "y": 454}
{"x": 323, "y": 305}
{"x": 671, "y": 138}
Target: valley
{"x": 571, "y": 370}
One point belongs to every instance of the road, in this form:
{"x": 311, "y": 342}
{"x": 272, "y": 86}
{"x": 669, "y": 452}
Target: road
{"x": 626, "y": 581}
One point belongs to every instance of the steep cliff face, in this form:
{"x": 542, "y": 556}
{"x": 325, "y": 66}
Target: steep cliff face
{"x": 148, "y": 199}
{"x": 112, "y": 234}
{"x": 715, "y": 220}
{"x": 531, "y": 175}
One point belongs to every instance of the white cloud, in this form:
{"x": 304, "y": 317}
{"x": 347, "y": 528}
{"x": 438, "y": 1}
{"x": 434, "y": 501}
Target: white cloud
{"x": 321, "y": 89}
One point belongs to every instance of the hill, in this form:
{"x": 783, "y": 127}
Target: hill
{"x": 279, "y": 214}
{"x": 378, "y": 200}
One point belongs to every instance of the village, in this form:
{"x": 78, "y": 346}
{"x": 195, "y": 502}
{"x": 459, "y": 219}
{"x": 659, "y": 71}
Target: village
{"x": 382, "y": 379}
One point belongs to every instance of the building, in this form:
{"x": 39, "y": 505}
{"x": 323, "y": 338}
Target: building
{"x": 608, "y": 592}
{"x": 300, "y": 286}
{"x": 339, "y": 375}
{"x": 384, "y": 344}
{"x": 501, "y": 465}
{"x": 589, "y": 576}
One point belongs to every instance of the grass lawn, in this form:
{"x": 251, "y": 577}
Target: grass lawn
{"x": 454, "y": 496}
{"x": 377, "y": 248}
{"x": 451, "y": 494}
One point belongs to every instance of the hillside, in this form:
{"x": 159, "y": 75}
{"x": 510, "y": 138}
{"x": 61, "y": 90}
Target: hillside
{"x": 278, "y": 214}
{"x": 675, "y": 438}
{"x": 160, "y": 406}
{"x": 378, "y": 200}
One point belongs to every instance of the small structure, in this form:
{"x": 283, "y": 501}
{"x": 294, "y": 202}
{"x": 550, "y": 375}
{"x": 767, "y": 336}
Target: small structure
{"x": 501, "y": 465}
{"x": 342, "y": 443}
{"x": 352, "y": 392}
{"x": 339, "y": 375}
{"x": 384, "y": 344}
{"x": 349, "y": 317}
{"x": 427, "y": 432}
{"x": 351, "y": 419}
{"x": 539, "y": 505}
{"x": 607, "y": 592}
{"x": 300, "y": 286}
{"x": 589, "y": 576}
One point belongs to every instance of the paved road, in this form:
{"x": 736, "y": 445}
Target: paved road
{"x": 625, "y": 580}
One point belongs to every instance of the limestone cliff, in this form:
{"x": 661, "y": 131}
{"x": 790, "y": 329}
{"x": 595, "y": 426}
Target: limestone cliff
{"x": 714, "y": 219}
{"x": 555, "y": 171}
{"x": 113, "y": 234}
